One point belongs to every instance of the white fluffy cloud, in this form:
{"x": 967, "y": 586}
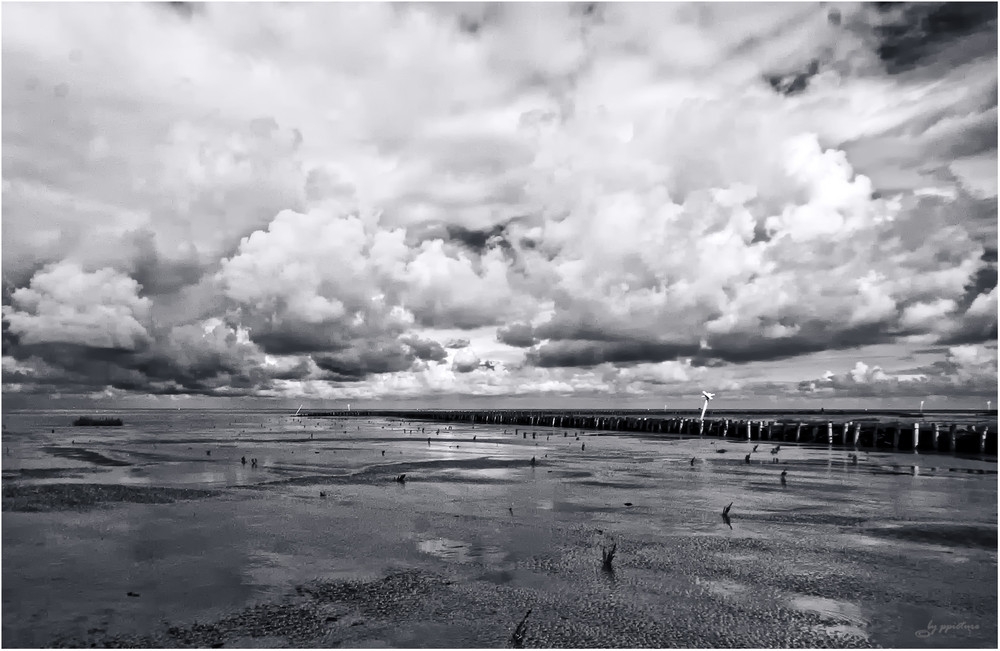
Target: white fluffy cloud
{"x": 66, "y": 305}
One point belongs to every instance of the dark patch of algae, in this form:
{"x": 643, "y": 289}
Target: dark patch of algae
{"x": 81, "y": 497}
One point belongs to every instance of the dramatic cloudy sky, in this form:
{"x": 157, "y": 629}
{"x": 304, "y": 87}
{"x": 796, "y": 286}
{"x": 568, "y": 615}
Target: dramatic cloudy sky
{"x": 516, "y": 204}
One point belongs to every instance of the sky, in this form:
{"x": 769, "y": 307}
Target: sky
{"x": 500, "y": 205}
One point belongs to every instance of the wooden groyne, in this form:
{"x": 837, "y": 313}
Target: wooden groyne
{"x": 910, "y": 435}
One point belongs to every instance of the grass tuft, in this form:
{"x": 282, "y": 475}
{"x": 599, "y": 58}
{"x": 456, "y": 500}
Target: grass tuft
{"x": 608, "y": 555}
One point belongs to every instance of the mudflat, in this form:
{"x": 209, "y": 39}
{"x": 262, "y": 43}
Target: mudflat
{"x": 156, "y": 534}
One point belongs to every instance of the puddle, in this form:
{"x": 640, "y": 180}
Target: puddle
{"x": 87, "y": 456}
{"x": 561, "y": 506}
{"x": 839, "y": 617}
{"x": 721, "y": 587}
{"x": 458, "y": 551}
{"x": 482, "y": 474}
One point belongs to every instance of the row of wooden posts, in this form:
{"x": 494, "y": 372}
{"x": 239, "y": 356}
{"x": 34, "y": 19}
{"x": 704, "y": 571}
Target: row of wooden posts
{"x": 916, "y": 436}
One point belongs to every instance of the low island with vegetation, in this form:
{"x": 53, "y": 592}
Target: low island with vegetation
{"x": 93, "y": 421}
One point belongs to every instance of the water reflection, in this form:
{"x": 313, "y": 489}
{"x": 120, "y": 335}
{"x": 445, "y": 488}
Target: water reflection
{"x": 461, "y": 552}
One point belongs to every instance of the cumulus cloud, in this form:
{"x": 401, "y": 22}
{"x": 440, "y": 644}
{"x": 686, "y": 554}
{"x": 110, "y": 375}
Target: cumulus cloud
{"x": 626, "y": 197}
{"x": 65, "y": 305}
{"x": 969, "y": 370}
{"x": 465, "y": 361}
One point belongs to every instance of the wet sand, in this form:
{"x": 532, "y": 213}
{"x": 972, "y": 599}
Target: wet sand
{"x": 215, "y": 553}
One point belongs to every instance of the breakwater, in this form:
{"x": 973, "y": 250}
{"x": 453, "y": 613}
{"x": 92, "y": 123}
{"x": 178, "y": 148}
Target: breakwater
{"x": 965, "y": 437}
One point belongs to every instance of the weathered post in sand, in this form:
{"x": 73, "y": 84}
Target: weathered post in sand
{"x": 829, "y": 433}
{"x": 982, "y": 439}
{"x": 916, "y": 436}
{"x": 857, "y": 434}
{"x": 934, "y": 439}
{"x": 798, "y": 432}
{"x": 843, "y": 434}
{"x": 953, "y": 436}
{"x": 749, "y": 425}
{"x": 895, "y": 437}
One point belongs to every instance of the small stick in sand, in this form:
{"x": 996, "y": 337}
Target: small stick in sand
{"x": 747, "y": 458}
{"x": 517, "y": 638}
{"x": 783, "y": 473}
{"x": 692, "y": 461}
{"x": 533, "y": 462}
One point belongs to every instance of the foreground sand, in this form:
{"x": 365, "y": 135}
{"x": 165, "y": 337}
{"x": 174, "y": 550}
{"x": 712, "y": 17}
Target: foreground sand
{"x": 218, "y": 554}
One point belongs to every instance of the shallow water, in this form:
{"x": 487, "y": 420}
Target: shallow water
{"x": 863, "y": 552}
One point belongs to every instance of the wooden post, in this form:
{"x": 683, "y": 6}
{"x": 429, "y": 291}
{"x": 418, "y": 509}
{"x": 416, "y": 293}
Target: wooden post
{"x": 895, "y": 437}
{"x": 843, "y": 435}
{"x": 953, "y": 436}
{"x": 982, "y": 439}
{"x": 725, "y": 428}
{"x": 916, "y": 436}
{"x": 766, "y": 432}
{"x": 829, "y": 433}
{"x": 798, "y": 432}
{"x": 701, "y": 427}
{"x": 857, "y": 434}
{"x": 937, "y": 431}
{"x": 749, "y": 424}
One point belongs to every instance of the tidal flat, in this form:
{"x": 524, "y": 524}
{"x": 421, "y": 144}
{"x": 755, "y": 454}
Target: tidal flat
{"x": 155, "y": 534}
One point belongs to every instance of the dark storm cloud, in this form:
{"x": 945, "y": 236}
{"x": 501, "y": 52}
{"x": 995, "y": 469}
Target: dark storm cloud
{"x": 290, "y": 338}
{"x": 812, "y": 337}
{"x": 465, "y": 366}
{"x": 520, "y": 335}
{"x": 917, "y": 34}
{"x": 156, "y": 275}
{"x": 183, "y": 9}
{"x": 367, "y": 359}
{"x": 425, "y": 349}
{"x": 178, "y": 360}
{"x": 793, "y": 83}
{"x": 567, "y": 353}
{"x": 474, "y": 239}
{"x": 985, "y": 278}
{"x": 584, "y": 326}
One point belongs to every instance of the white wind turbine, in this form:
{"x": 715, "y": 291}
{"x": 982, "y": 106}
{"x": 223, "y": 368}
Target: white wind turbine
{"x": 704, "y": 407}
